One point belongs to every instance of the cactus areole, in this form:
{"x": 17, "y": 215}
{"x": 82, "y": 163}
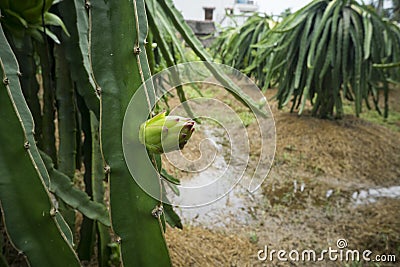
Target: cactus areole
{"x": 162, "y": 134}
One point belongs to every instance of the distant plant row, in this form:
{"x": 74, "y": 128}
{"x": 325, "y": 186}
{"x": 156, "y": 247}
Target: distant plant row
{"x": 323, "y": 53}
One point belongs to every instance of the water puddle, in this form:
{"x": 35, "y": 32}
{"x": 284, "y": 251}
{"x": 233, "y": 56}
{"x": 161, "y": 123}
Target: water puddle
{"x": 372, "y": 195}
{"x": 238, "y": 207}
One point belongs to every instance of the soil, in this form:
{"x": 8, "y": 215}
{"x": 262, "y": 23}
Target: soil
{"x": 330, "y": 180}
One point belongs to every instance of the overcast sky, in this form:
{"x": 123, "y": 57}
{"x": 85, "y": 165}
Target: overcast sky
{"x": 276, "y": 7}
{"x": 193, "y": 9}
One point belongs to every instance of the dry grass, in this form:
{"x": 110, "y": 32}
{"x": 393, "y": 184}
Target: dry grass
{"x": 341, "y": 156}
{"x": 196, "y": 246}
{"x": 351, "y": 148}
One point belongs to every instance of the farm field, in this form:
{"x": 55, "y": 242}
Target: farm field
{"x": 331, "y": 179}
{"x": 126, "y": 140}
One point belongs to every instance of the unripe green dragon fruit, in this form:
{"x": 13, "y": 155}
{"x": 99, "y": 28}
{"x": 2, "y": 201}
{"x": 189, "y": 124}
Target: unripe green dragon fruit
{"x": 25, "y": 16}
{"x": 162, "y": 134}
{"x": 28, "y": 10}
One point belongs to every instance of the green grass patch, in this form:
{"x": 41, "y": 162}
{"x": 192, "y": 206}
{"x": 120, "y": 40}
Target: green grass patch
{"x": 392, "y": 122}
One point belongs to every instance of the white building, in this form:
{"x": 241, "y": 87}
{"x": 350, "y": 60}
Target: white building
{"x": 193, "y": 9}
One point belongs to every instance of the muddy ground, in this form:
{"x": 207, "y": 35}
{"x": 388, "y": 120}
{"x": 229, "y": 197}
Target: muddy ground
{"x": 330, "y": 180}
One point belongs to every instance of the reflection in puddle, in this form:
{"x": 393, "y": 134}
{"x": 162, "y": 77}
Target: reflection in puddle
{"x": 238, "y": 207}
{"x": 302, "y": 186}
{"x": 329, "y": 193}
{"x": 372, "y": 195}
